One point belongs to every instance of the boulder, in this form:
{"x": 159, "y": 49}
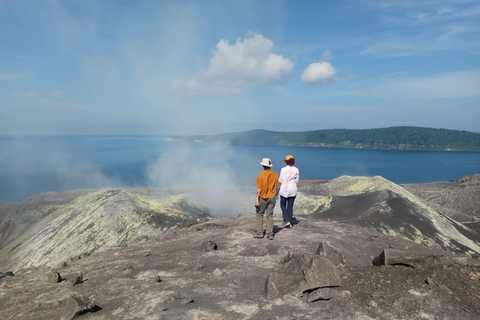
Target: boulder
{"x": 411, "y": 259}
{"x": 301, "y": 272}
{"x": 331, "y": 254}
{"x": 78, "y": 305}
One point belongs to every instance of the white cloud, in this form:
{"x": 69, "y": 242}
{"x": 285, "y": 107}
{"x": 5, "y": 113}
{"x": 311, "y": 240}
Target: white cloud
{"x": 319, "y": 72}
{"x": 249, "y": 61}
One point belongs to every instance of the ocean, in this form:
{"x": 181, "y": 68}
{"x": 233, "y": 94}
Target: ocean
{"x": 35, "y": 164}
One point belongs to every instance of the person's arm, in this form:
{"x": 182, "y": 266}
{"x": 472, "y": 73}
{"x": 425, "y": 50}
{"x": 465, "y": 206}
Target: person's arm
{"x": 257, "y": 204}
{"x": 277, "y": 189}
{"x": 280, "y": 181}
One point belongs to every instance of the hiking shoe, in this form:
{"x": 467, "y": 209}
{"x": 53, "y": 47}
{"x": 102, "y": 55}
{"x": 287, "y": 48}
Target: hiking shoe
{"x": 258, "y": 236}
{"x": 270, "y": 237}
{"x": 288, "y": 225}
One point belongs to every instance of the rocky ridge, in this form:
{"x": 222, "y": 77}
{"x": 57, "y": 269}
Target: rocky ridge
{"x": 99, "y": 218}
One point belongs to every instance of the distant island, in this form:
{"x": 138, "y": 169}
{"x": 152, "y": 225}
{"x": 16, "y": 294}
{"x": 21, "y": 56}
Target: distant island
{"x": 393, "y": 138}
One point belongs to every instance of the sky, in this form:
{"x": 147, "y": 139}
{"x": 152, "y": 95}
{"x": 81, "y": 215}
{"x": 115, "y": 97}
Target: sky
{"x": 126, "y": 67}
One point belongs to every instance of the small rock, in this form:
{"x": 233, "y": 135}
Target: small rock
{"x": 217, "y": 273}
{"x": 55, "y": 277}
{"x": 321, "y": 294}
{"x": 345, "y": 294}
{"x": 372, "y": 304}
{"x": 6, "y": 274}
{"x": 78, "y": 279}
{"x": 209, "y": 246}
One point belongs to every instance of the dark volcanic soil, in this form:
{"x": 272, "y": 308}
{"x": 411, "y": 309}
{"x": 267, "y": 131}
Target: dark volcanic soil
{"x": 457, "y": 200}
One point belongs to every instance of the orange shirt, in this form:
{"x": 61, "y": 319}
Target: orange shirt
{"x": 267, "y": 182}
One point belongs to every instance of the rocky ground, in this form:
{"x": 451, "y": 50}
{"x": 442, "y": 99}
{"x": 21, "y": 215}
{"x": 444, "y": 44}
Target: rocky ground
{"x": 217, "y": 270}
{"x": 457, "y": 199}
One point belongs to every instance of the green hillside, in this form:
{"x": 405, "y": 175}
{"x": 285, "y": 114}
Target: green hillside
{"x": 394, "y": 138}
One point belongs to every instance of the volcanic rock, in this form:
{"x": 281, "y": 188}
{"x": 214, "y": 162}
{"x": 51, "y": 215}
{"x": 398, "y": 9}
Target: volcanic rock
{"x": 78, "y": 305}
{"x": 331, "y": 254}
{"x": 209, "y": 245}
{"x": 301, "y": 272}
{"x": 413, "y": 259}
{"x": 6, "y": 274}
{"x": 100, "y": 218}
{"x": 55, "y": 277}
{"x": 122, "y": 277}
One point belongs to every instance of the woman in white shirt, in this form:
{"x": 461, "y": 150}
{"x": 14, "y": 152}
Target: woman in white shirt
{"x": 289, "y": 177}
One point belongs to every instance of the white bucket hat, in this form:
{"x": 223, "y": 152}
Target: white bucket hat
{"x": 266, "y": 162}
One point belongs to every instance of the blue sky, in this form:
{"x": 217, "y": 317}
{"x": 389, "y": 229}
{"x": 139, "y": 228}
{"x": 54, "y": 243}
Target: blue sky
{"x": 205, "y": 67}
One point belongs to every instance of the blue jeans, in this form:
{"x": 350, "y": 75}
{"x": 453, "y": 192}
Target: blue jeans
{"x": 287, "y": 208}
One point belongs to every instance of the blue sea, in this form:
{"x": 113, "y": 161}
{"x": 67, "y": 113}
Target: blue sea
{"x": 34, "y": 164}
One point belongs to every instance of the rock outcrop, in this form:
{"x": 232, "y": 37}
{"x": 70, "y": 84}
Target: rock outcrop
{"x": 100, "y": 218}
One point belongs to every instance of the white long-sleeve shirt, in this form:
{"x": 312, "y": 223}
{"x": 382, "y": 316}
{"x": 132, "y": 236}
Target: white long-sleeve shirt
{"x": 289, "y": 177}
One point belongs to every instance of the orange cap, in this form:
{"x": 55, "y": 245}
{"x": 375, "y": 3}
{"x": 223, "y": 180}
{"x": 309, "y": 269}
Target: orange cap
{"x": 288, "y": 157}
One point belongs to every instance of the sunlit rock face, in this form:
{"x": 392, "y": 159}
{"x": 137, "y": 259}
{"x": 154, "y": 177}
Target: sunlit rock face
{"x": 377, "y": 203}
{"x": 17, "y": 217}
{"x": 102, "y": 218}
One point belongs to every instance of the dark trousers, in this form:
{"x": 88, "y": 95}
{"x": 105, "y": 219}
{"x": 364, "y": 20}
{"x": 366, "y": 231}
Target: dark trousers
{"x": 287, "y": 208}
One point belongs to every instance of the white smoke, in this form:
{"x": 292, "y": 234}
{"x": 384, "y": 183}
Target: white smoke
{"x": 207, "y": 174}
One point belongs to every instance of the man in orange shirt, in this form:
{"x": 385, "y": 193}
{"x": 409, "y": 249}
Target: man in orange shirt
{"x": 267, "y": 191}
